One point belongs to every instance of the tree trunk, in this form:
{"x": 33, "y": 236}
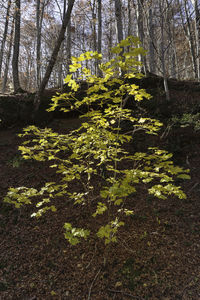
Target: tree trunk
{"x": 68, "y": 48}
{"x": 4, "y": 35}
{"x": 140, "y": 27}
{"x": 110, "y": 32}
{"x": 152, "y": 62}
{"x": 196, "y": 5}
{"x": 60, "y": 69}
{"x": 94, "y": 34}
{"x": 172, "y": 57}
{"x": 129, "y": 18}
{"x": 189, "y": 36}
{"x": 15, "y": 60}
{"x": 118, "y": 15}
{"x": 5, "y": 78}
{"x": 163, "y": 49}
{"x": 99, "y": 41}
{"x": 54, "y": 55}
{"x": 99, "y": 27}
{"x": 39, "y": 19}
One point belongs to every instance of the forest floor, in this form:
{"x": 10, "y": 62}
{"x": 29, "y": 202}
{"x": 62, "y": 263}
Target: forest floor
{"x": 157, "y": 256}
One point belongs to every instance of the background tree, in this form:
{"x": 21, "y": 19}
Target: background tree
{"x": 119, "y": 24}
{"x": 16, "y": 47}
{"x": 196, "y": 5}
{"x": 8, "y": 56}
{"x": 168, "y": 29}
{"x": 4, "y": 34}
{"x": 54, "y": 54}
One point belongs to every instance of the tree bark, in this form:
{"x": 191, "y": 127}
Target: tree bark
{"x": 94, "y": 34}
{"x": 163, "y": 49}
{"x": 4, "y": 35}
{"x": 15, "y": 59}
{"x": 152, "y": 62}
{"x": 129, "y": 18}
{"x": 68, "y": 47}
{"x": 60, "y": 67}
{"x": 99, "y": 41}
{"x": 188, "y": 33}
{"x": 196, "y": 5}
{"x": 118, "y": 15}
{"x": 140, "y": 27}
{"x": 39, "y": 19}
{"x": 54, "y": 55}
{"x": 5, "y": 78}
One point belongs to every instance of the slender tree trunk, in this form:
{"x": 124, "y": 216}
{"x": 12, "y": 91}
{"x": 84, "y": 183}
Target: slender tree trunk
{"x": 99, "y": 41}
{"x": 15, "y": 60}
{"x": 39, "y": 19}
{"x": 69, "y": 45}
{"x": 189, "y": 36}
{"x": 140, "y": 26}
{"x": 99, "y": 27}
{"x": 152, "y": 62}
{"x": 4, "y": 35}
{"x": 118, "y": 15}
{"x": 60, "y": 71}
{"x": 5, "y": 78}
{"x": 38, "y": 44}
{"x": 129, "y": 18}
{"x": 172, "y": 57}
{"x": 54, "y": 55}
{"x": 110, "y": 34}
{"x": 162, "y": 51}
{"x": 94, "y": 34}
{"x": 196, "y": 5}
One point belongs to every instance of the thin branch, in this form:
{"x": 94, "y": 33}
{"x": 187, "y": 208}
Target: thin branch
{"x": 92, "y": 256}
{"x": 90, "y": 289}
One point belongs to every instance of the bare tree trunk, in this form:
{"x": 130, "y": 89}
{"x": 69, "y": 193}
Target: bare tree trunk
{"x": 188, "y": 34}
{"x": 4, "y": 35}
{"x": 60, "y": 71}
{"x": 173, "y": 57}
{"x": 110, "y": 33}
{"x": 54, "y": 55}
{"x": 99, "y": 27}
{"x": 5, "y": 78}
{"x": 118, "y": 15}
{"x": 171, "y": 44}
{"x": 15, "y": 60}
{"x": 68, "y": 48}
{"x": 140, "y": 26}
{"x": 129, "y": 18}
{"x": 162, "y": 50}
{"x": 38, "y": 46}
{"x": 152, "y": 62}
{"x": 39, "y": 19}
{"x": 196, "y": 5}
{"x": 99, "y": 41}
{"x": 93, "y": 6}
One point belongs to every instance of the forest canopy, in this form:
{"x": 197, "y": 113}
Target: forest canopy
{"x": 30, "y": 30}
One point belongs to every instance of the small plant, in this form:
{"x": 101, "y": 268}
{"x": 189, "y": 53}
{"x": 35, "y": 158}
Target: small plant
{"x": 16, "y": 161}
{"x": 98, "y": 144}
{"x": 187, "y": 120}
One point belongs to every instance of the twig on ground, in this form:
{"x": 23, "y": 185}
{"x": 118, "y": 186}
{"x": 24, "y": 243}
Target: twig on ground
{"x": 90, "y": 289}
{"x": 126, "y": 294}
{"x": 194, "y": 186}
{"x": 92, "y": 256}
{"x": 125, "y": 245}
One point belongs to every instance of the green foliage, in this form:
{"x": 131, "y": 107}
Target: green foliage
{"x": 187, "y": 120}
{"x": 16, "y": 161}
{"x": 73, "y": 234}
{"x": 98, "y": 145}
